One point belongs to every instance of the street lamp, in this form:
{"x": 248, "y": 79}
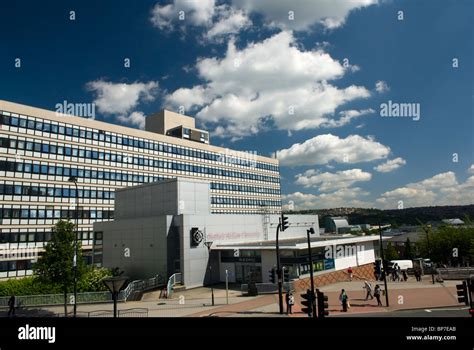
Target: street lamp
{"x": 74, "y": 180}
{"x": 115, "y": 285}
{"x": 384, "y": 265}
{"x": 313, "y": 305}
{"x": 208, "y": 244}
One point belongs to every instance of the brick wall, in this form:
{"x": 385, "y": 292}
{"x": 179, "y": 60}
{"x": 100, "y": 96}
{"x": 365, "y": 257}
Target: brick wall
{"x": 363, "y": 272}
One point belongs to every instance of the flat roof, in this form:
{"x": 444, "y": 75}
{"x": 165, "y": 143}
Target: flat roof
{"x": 100, "y": 125}
{"x": 299, "y": 243}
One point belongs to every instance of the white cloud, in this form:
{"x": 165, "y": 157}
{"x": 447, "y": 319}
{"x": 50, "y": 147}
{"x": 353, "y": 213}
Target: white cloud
{"x": 230, "y": 21}
{"x": 332, "y": 181}
{"x": 471, "y": 169}
{"x": 347, "y": 117}
{"x": 196, "y": 12}
{"x": 390, "y": 165}
{"x": 381, "y": 86}
{"x": 346, "y": 197}
{"x": 323, "y": 149}
{"x": 120, "y": 98}
{"x": 330, "y": 13}
{"x": 134, "y": 119}
{"x": 441, "y": 189}
{"x": 272, "y": 79}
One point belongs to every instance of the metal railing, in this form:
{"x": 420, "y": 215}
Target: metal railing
{"x": 172, "y": 281}
{"x": 134, "y": 312}
{"x": 141, "y": 286}
{"x": 267, "y": 288}
{"x": 455, "y": 273}
{"x": 57, "y": 299}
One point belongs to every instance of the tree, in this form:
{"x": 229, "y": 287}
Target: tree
{"x": 390, "y": 252}
{"x": 408, "y": 251}
{"x": 55, "y": 266}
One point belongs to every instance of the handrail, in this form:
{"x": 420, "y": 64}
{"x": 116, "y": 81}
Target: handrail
{"x": 140, "y": 286}
{"x": 172, "y": 281}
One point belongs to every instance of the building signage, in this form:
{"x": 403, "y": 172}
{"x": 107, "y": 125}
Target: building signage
{"x": 242, "y": 259}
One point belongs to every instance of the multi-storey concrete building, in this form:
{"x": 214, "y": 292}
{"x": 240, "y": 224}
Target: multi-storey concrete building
{"x": 41, "y": 150}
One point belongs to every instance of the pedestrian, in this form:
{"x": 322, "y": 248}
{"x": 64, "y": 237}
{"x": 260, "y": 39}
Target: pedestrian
{"x": 368, "y": 286}
{"x": 377, "y": 294}
{"x": 399, "y": 272}
{"x": 418, "y": 274}
{"x": 349, "y": 272}
{"x": 405, "y": 276}
{"x": 11, "y": 305}
{"x": 290, "y": 301}
{"x": 343, "y": 299}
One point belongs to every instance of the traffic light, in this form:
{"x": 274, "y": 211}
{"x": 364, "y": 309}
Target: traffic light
{"x": 284, "y": 222}
{"x": 462, "y": 293}
{"x": 286, "y": 275}
{"x": 307, "y": 302}
{"x": 322, "y": 305}
{"x": 272, "y": 275}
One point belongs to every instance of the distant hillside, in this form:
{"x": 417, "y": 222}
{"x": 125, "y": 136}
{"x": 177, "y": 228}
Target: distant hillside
{"x": 396, "y": 217}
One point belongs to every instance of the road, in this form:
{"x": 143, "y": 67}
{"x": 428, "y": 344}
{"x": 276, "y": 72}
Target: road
{"x": 434, "y": 312}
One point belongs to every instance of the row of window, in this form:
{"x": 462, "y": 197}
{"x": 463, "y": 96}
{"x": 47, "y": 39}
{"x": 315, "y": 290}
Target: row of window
{"x": 119, "y": 158}
{"x": 54, "y": 191}
{"x": 36, "y": 237}
{"x": 15, "y": 265}
{"x": 54, "y": 213}
{"x": 104, "y": 136}
{"x": 206, "y": 170}
{"x": 243, "y": 188}
{"x": 245, "y": 201}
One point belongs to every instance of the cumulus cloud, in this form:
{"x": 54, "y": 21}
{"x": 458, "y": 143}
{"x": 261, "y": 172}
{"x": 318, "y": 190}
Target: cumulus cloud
{"x": 323, "y": 149}
{"x": 345, "y": 197}
{"x": 272, "y": 80}
{"x": 441, "y": 189}
{"x": 329, "y": 13}
{"x": 347, "y": 117}
{"x": 120, "y": 98}
{"x": 196, "y": 12}
{"x": 381, "y": 86}
{"x": 390, "y": 165}
{"x": 135, "y": 119}
{"x": 332, "y": 181}
{"x": 230, "y": 21}
{"x": 471, "y": 169}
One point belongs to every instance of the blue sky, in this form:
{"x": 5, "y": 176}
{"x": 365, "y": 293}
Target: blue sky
{"x": 262, "y": 81}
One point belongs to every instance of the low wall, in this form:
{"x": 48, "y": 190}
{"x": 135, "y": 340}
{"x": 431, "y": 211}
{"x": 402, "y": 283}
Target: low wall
{"x": 363, "y": 272}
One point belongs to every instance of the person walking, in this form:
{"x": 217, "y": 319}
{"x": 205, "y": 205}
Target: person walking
{"x": 290, "y": 301}
{"x": 368, "y": 286}
{"x": 377, "y": 292}
{"x": 349, "y": 272}
{"x": 418, "y": 274}
{"x": 405, "y": 276}
{"x": 343, "y": 299}
{"x": 11, "y": 306}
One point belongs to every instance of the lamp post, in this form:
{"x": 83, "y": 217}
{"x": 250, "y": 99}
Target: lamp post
{"x": 384, "y": 265}
{"x": 74, "y": 180}
{"x": 208, "y": 244}
{"x": 313, "y": 302}
{"x": 426, "y": 229}
{"x": 115, "y": 285}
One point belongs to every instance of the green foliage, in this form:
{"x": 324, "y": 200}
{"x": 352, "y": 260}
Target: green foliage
{"x": 440, "y": 244}
{"x": 91, "y": 281}
{"x": 27, "y": 286}
{"x": 390, "y": 253}
{"x": 55, "y": 266}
